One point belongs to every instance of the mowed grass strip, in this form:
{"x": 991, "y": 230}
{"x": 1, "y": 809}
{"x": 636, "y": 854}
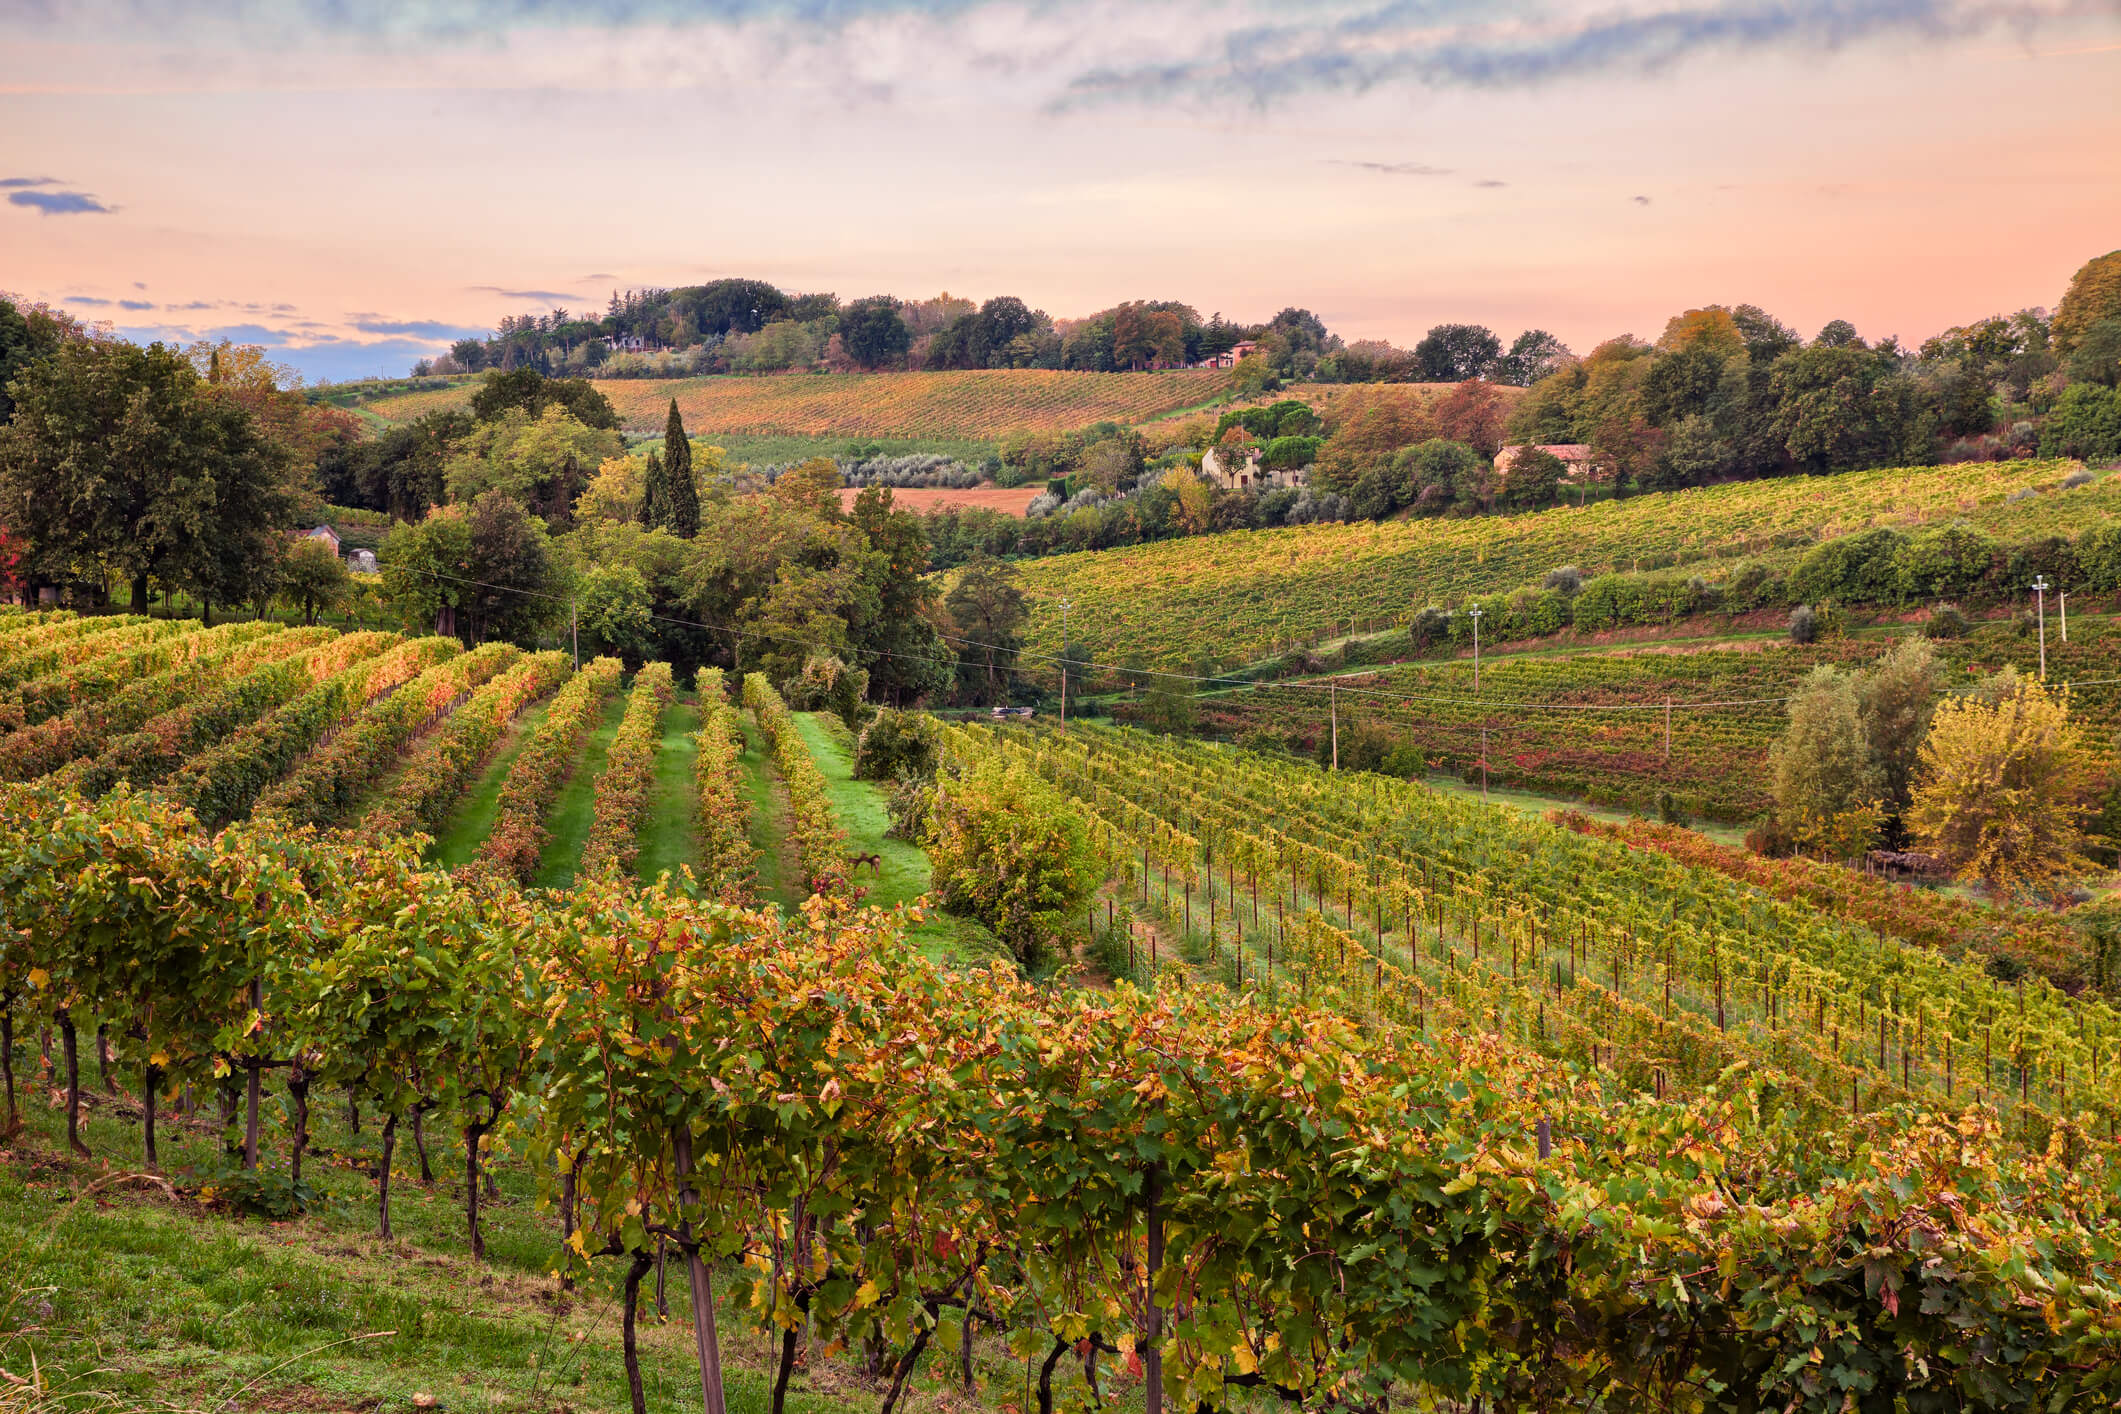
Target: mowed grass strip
{"x": 472, "y": 821}
{"x": 766, "y": 803}
{"x": 574, "y": 809}
{"x": 903, "y": 874}
{"x": 669, "y": 835}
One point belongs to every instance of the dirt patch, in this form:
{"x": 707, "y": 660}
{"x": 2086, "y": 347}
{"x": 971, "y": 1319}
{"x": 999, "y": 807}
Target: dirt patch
{"x": 1009, "y": 500}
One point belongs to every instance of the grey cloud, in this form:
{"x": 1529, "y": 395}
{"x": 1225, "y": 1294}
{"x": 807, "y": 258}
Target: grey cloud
{"x": 135, "y": 304}
{"x": 549, "y": 296}
{"x": 417, "y": 328}
{"x": 1640, "y": 200}
{"x": 82, "y": 299}
{"x": 10, "y": 183}
{"x": 1490, "y": 182}
{"x": 1408, "y": 41}
{"x": 59, "y": 203}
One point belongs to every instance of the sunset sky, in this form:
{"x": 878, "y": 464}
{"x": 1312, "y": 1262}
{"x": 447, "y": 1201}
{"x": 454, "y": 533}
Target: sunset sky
{"x": 354, "y": 194}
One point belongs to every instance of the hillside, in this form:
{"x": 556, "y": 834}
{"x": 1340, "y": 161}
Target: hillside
{"x": 1239, "y": 596}
{"x": 1498, "y": 977}
{"x": 1590, "y": 723}
{"x": 949, "y": 405}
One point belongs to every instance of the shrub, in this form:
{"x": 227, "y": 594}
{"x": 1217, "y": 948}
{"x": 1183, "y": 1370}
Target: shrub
{"x": 1011, "y": 852}
{"x": 1804, "y": 625}
{"x": 1428, "y": 628}
{"x": 1566, "y": 578}
{"x": 1945, "y": 621}
{"x": 897, "y": 746}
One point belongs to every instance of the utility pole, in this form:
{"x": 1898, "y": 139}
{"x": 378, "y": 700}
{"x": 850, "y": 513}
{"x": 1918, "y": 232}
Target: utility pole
{"x": 1668, "y": 731}
{"x": 2063, "y": 599}
{"x": 2040, "y": 588}
{"x": 1066, "y": 604}
{"x": 1475, "y": 612}
{"x": 1483, "y": 765}
{"x": 1333, "y": 698}
{"x": 574, "y": 631}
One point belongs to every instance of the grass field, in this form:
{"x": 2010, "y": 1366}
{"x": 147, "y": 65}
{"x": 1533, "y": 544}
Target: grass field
{"x": 964, "y": 405}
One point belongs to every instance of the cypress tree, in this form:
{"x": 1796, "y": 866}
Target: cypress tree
{"x": 681, "y": 498}
{"x": 652, "y": 511}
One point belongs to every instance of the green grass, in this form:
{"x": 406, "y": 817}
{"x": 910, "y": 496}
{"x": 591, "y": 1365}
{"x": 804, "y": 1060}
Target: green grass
{"x": 860, "y": 809}
{"x": 669, "y": 835}
{"x": 574, "y": 811}
{"x": 472, "y": 821}
{"x": 766, "y": 810}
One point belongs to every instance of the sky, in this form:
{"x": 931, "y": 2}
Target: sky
{"x": 354, "y": 186}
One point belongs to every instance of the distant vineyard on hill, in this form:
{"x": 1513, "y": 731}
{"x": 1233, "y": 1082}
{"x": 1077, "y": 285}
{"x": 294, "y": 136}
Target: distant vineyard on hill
{"x": 984, "y": 404}
{"x": 1237, "y": 595}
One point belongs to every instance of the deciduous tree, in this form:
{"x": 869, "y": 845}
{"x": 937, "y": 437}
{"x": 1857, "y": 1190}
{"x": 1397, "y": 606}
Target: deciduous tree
{"x": 1822, "y": 766}
{"x": 1999, "y": 790}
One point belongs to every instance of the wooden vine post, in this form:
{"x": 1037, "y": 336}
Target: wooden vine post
{"x": 1152, "y": 1347}
{"x": 704, "y": 1336}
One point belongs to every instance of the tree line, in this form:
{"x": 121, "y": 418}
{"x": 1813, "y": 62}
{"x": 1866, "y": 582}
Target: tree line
{"x": 750, "y": 326}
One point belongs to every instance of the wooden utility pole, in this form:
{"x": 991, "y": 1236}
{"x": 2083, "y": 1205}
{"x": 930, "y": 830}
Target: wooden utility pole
{"x": 2040, "y": 588}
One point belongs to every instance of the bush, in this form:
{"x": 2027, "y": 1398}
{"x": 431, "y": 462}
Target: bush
{"x": 1945, "y": 621}
{"x": 827, "y": 684}
{"x": 897, "y": 746}
{"x": 1567, "y": 579}
{"x": 1008, "y": 850}
{"x": 1804, "y": 625}
{"x": 907, "y": 809}
{"x": 1428, "y": 628}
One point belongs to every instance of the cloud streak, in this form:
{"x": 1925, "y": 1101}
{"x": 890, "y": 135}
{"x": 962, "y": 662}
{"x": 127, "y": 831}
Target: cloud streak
{"x": 59, "y": 203}
{"x": 548, "y": 296}
{"x": 1393, "y": 169}
{"x": 417, "y": 328}
{"x": 1407, "y": 42}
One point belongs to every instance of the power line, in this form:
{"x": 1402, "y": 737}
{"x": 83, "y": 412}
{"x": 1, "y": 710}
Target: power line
{"x": 739, "y": 635}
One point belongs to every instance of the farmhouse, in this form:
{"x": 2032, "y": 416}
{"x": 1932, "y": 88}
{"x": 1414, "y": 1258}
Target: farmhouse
{"x": 324, "y": 533}
{"x": 1249, "y": 475}
{"x": 1576, "y": 456}
{"x": 1229, "y": 358}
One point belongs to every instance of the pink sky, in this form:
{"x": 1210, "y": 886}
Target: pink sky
{"x": 351, "y": 196}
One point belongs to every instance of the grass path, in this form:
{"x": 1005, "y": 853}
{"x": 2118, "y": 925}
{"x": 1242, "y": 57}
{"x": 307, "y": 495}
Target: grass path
{"x": 860, "y": 809}
{"x": 574, "y": 812}
{"x": 669, "y": 833}
{"x": 766, "y": 807}
{"x": 471, "y": 822}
